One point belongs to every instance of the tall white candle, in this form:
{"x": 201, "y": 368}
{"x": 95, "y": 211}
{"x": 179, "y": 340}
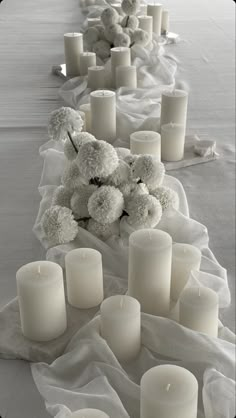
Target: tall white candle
{"x": 121, "y": 326}
{"x": 172, "y": 141}
{"x": 174, "y": 107}
{"x": 142, "y": 9}
{"x": 198, "y": 310}
{"x": 89, "y": 413}
{"x": 93, "y": 21}
{"x": 165, "y": 21}
{"x": 126, "y": 76}
{"x": 146, "y": 24}
{"x": 185, "y": 258}
{"x": 103, "y": 114}
{"x": 146, "y": 142}
{"x": 87, "y": 59}
{"x": 86, "y": 108}
{"x": 96, "y": 77}
{"x": 119, "y": 56}
{"x": 73, "y": 47}
{"x": 155, "y": 10}
{"x": 149, "y": 280}
{"x": 169, "y": 391}
{"x": 41, "y": 296}
{"x": 84, "y": 278}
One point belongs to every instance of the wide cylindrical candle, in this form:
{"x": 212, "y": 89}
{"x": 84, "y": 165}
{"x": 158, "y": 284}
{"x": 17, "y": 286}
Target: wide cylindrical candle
{"x": 121, "y": 326}
{"x": 172, "y": 142}
{"x": 146, "y": 24}
{"x": 146, "y": 142}
{"x": 89, "y": 413}
{"x": 41, "y": 297}
{"x": 119, "y": 56}
{"x": 84, "y": 278}
{"x": 174, "y": 107}
{"x": 149, "y": 280}
{"x": 165, "y": 21}
{"x": 155, "y": 10}
{"x": 73, "y": 47}
{"x": 185, "y": 258}
{"x": 198, "y": 310}
{"x": 169, "y": 391}
{"x": 126, "y": 76}
{"x": 87, "y": 59}
{"x": 93, "y": 21}
{"x": 103, "y": 114}
{"x": 86, "y": 108}
{"x": 96, "y": 77}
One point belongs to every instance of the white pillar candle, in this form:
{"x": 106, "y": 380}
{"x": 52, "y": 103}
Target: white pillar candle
{"x": 41, "y": 296}
{"x": 121, "y": 326}
{"x": 126, "y": 76}
{"x": 89, "y": 413}
{"x": 155, "y": 10}
{"x": 119, "y": 56}
{"x": 142, "y": 9}
{"x": 146, "y": 142}
{"x": 103, "y": 114}
{"x": 174, "y": 107}
{"x": 86, "y": 108}
{"x": 146, "y": 24}
{"x": 169, "y": 391}
{"x": 185, "y": 258}
{"x": 172, "y": 142}
{"x": 199, "y": 309}
{"x": 73, "y": 47}
{"x": 96, "y": 77}
{"x": 93, "y": 21}
{"x": 87, "y": 59}
{"x": 150, "y": 270}
{"x": 84, "y": 278}
{"x": 165, "y": 21}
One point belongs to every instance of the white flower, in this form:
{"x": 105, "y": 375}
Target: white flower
{"x": 62, "y": 121}
{"x": 111, "y": 31}
{"x": 122, "y": 39}
{"x": 62, "y": 197}
{"x": 167, "y": 197}
{"x": 109, "y": 16}
{"x": 130, "y": 7}
{"x": 91, "y": 35}
{"x": 149, "y": 171}
{"x": 122, "y": 152}
{"x": 79, "y": 200}
{"x": 128, "y": 32}
{"x": 59, "y": 225}
{"x": 102, "y": 231}
{"x": 101, "y": 30}
{"x": 78, "y": 140}
{"x": 120, "y": 175}
{"x": 144, "y": 211}
{"x": 102, "y": 49}
{"x": 130, "y": 159}
{"x": 106, "y": 204}
{"x": 132, "y": 189}
{"x": 130, "y": 22}
{"x": 140, "y": 37}
{"x": 97, "y": 159}
{"x": 72, "y": 177}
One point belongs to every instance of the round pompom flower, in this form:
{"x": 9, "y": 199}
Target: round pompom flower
{"x": 130, "y": 7}
{"x": 102, "y": 231}
{"x": 149, "y": 171}
{"x": 79, "y": 200}
{"x": 122, "y": 39}
{"x": 106, "y": 204}
{"x": 128, "y": 32}
{"x": 102, "y": 49}
{"x": 167, "y": 197}
{"x": 122, "y": 152}
{"x": 59, "y": 225}
{"x": 63, "y": 121}
{"x": 130, "y": 159}
{"x": 72, "y": 177}
{"x": 97, "y": 159}
{"x": 120, "y": 175}
{"x": 101, "y": 30}
{"x": 62, "y": 197}
{"x": 130, "y": 22}
{"x": 140, "y": 37}
{"x": 111, "y": 31}
{"x": 132, "y": 189}
{"x": 144, "y": 211}
{"x": 109, "y": 16}
{"x": 91, "y": 35}
{"x": 78, "y": 140}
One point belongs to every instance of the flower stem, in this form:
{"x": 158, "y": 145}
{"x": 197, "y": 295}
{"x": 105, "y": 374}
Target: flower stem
{"x": 71, "y": 140}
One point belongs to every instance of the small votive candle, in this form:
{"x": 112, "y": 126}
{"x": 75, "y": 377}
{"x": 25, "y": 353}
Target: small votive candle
{"x": 155, "y": 10}
{"x": 89, "y": 413}
{"x": 119, "y": 56}
{"x": 199, "y": 310}
{"x": 73, "y": 47}
{"x": 146, "y": 142}
{"x": 96, "y": 77}
{"x": 93, "y": 21}
{"x": 165, "y": 21}
{"x": 146, "y": 24}
{"x": 126, "y": 76}
{"x": 121, "y": 326}
{"x": 169, "y": 391}
{"x": 41, "y": 297}
{"x": 103, "y": 114}
{"x": 172, "y": 142}
{"x": 174, "y": 106}
{"x": 86, "y": 109}
{"x": 185, "y": 258}
{"x": 87, "y": 59}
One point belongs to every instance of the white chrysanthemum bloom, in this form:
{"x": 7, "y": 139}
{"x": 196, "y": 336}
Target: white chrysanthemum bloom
{"x": 167, "y": 197}
{"x": 128, "y": 32}
{"x": 109, "y": 16}
{"x": 101, "y": 31}
{"x": 102, "y": 49}
{"x": 120, "y": 175}
{"x": 59, "y": 225}
{"x": 102, "y": 231}
{"x": 91, "y": 35}
{"x": 122, "y": 39}
{"x": 111, "y": 31}
{"x": 130, "y": 7}
{"x": 122, "y": 152}
{"x": 97, "y": 159}
{"x": 132, "y": 189}
{"x": 62, "y": 121}
{"x": 140, "y": 37}
{"x": 130, "y": 159}
{"x": 149, "y": 171}
{"x": 62, "y": 197}
{"x": 106, "y": 204}
{"x": 130, "y": 22}
{"x": 144, "y": 211}
{"x": 78, "y": 140}
{"x": 72, "y": 177}
{"x": 79, "y": 200}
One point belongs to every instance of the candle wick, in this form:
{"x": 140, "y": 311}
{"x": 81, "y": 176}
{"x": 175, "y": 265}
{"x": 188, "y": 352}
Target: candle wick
{"x": 121, "y": 302}
{"x": 168, "y": 387}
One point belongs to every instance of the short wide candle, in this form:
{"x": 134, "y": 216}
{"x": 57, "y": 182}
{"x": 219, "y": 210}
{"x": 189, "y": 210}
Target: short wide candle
{"x": 84, "y": 278}
{"x": 149, "y": 280}
{"x": 174, "y": 107}
{"x": 89, "y": 413}
{"x": 73, "y": 46}
{"x": 119, "y": 56}
{"x": 121, "y": 326}
{"x": 172, "y": 142}
{"x": 169, "y": 391}
{"x": 103, "y": 114}
{"x": 155, "y": 10}
{"x": 41, "y": 297}
{"x": 126, "y": 76}
{"x": 87, "y": 59}
{"x": 198, "y": 310}
{"x": 96, "y": 77}
{"x": 146, "y": 142}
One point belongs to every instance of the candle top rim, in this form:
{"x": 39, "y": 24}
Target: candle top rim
{"x": 150, "y": 242}
{"x": 191, "y": 252}
{"x": 49, "y": 272}
{"x": 83, "y": 256}
{"x": 112, "y": 306}
{"x": 125, "y": 67}
{"x": 139, "y": 136}
{"x": 155, "y": 5}
{"x": 120, "y": 49}
{"x": 96, "y": 68}
{"x": 73, "y": 34}
{"x": 103, "y": 93}
{"x": 145, "y": 17}
{"x": 87, "y": 54}
{"x": 175, "y": 93}
{"x": 93, "y": 413}
{"x": 190, "y": 295}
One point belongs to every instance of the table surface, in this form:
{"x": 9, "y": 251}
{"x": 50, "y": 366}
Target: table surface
{"x": 31, "y": 41}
